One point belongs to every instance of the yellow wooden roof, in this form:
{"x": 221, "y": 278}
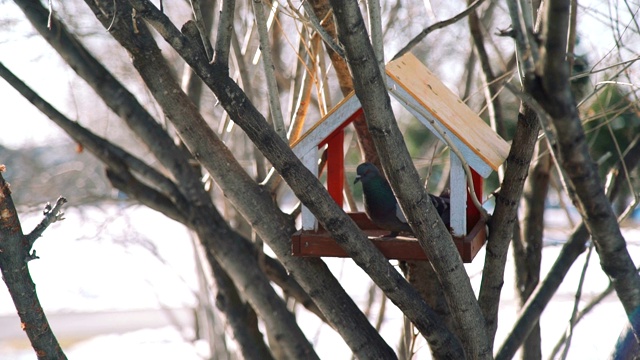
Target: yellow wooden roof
{"x": 456, "y": 116}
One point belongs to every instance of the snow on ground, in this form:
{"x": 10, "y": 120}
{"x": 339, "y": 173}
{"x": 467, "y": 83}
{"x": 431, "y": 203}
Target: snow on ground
{"x": 132, "y": 278}
{"x": 99, "y": 259}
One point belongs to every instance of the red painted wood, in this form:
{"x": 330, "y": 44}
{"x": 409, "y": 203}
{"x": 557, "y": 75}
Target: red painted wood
{"x": 335, "y": 159}
{"x": 321, "y": 244}
{"x": 335, "y": 166}
{"x": 473, "y": 215}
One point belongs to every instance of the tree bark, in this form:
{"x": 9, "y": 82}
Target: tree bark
{"x": 527, "y": 248}
{"x": 232, "y": 255}
{"x": 504, "y": 216}
{"x": 551, "y": 88}
{"x": 491, "y": 86}
{"x": 414, "y": 200}
{"x": 575, "y": 246}
{"x": 252, "y": 201}
{"x": 14, "y": 256}
{"x": 322, "y": 10}
{"x": 257, "y": 206}
{"x": 302, "y": 182}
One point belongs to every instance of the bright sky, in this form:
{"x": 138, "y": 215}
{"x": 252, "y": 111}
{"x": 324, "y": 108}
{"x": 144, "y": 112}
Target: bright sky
{"x": 31, "y": 59}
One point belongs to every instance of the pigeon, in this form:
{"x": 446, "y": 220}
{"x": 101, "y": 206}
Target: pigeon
{"x": 381, "y": 205}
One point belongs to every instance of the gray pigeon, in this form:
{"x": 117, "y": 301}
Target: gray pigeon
{"x": 381, "y": 205}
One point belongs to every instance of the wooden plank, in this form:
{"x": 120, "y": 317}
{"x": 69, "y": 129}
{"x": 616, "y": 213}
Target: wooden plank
{"x": 407, "y": 100}
{"x": 310, "y": 161}
{"x": 320, "y": 244}
{"x": 335, "y": 166}
{"x": 328, "y": 124}
{"x": 473, "y": 214}
{"x": 469, "y": 246}
{"x": 410, "y": 74}
{"x": 458, "y": 181}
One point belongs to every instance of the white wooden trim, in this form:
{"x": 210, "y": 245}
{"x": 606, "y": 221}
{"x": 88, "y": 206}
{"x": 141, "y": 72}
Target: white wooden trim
{"x": 458, "y": 181}
{"x": 440, "y": 102}
{"x": 488, "y": 152}
{"x": 408, "y": 101}
{"x": 328, "y": 124}
{"x": 310, "y": 161}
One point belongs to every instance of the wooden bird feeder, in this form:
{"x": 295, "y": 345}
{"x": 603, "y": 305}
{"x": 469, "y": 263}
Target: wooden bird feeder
{"x": 443, "y": 113}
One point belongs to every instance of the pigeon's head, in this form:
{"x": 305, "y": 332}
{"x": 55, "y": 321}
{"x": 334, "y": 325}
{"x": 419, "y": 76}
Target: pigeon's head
{"x": 366, "y": 171}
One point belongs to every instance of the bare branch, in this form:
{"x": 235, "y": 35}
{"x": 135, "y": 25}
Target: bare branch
{"x": 502, "y": 222}
{"x": 375, "y": 27}
{"x": 239, "y": 314}
{"x": 523, "y": 33}
{"x": 51, "y": 215}
{"x": 110, "y": 154}
{"x": 527, "y": 248}
{"x": 14, "y": 254}
{"x": 323, "y": 10}
{"x": 114, "y": 94}
{"x": 530, "y": 313}
{"x": 426, "y": 224}
{"x": 305, "y": 185}
{"x": 575, "y": 246}
{"x": 307, "y": 77}
{"x": 204, "y": 34}
{"x": 328, "y": 40}
{"x": 492, "y": 87}
{"x": 554, "y": 62}
{"x": 253, "y": 201}
{"x": 267, "y": 62}
{"x": 556, "y": 97}
{"x": 278, "y": 274}
{"x": 121, "y": 179}
{"x": 576, "y": 303}
{"x": 439, "y": 25}
{"x": 225, "y": 32}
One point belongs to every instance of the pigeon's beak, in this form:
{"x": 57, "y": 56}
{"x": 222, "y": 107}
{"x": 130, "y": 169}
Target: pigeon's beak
{"x": 357, "y": 179}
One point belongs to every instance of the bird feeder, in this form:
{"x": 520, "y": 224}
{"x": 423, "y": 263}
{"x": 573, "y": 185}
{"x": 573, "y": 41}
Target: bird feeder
{"x": 448, "y": 118}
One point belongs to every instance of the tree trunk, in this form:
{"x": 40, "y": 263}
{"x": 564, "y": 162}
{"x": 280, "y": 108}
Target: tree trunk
{"x": 527, "y": 248}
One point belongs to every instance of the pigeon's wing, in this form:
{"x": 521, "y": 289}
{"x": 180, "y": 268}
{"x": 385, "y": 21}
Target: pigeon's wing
{"x": 400, "y": 214}
{"x": 442, "y": 205}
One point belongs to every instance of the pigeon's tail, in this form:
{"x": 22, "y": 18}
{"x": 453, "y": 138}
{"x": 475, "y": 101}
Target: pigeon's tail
{"x": 442, "y": 205}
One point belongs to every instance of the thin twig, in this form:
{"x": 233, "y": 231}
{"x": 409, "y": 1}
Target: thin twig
{"x": 315, "y": 23}
{"x": 571, "y": 44}
{"x": 439, "y": 25}
{"x": 545, "y": 123}
{"x": 585, "y": 310}
{"x": 322, "y": 91}
{"x": 526, "y": 49}
{"x": 113, "y": 18}
{"x": 303, "y": 99}
{"x": 225, "y": 32}
{"x": 267, "y": 62}
{"x": 375, "y": 27}
{"x": 204, "y": 34}
{"x": 50, "y": 17}
{"x": 51, "y": 215}
{"x": 382, "y": 311}
{"x": 575, "y": 245}
{"x": 576, "y": 303}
